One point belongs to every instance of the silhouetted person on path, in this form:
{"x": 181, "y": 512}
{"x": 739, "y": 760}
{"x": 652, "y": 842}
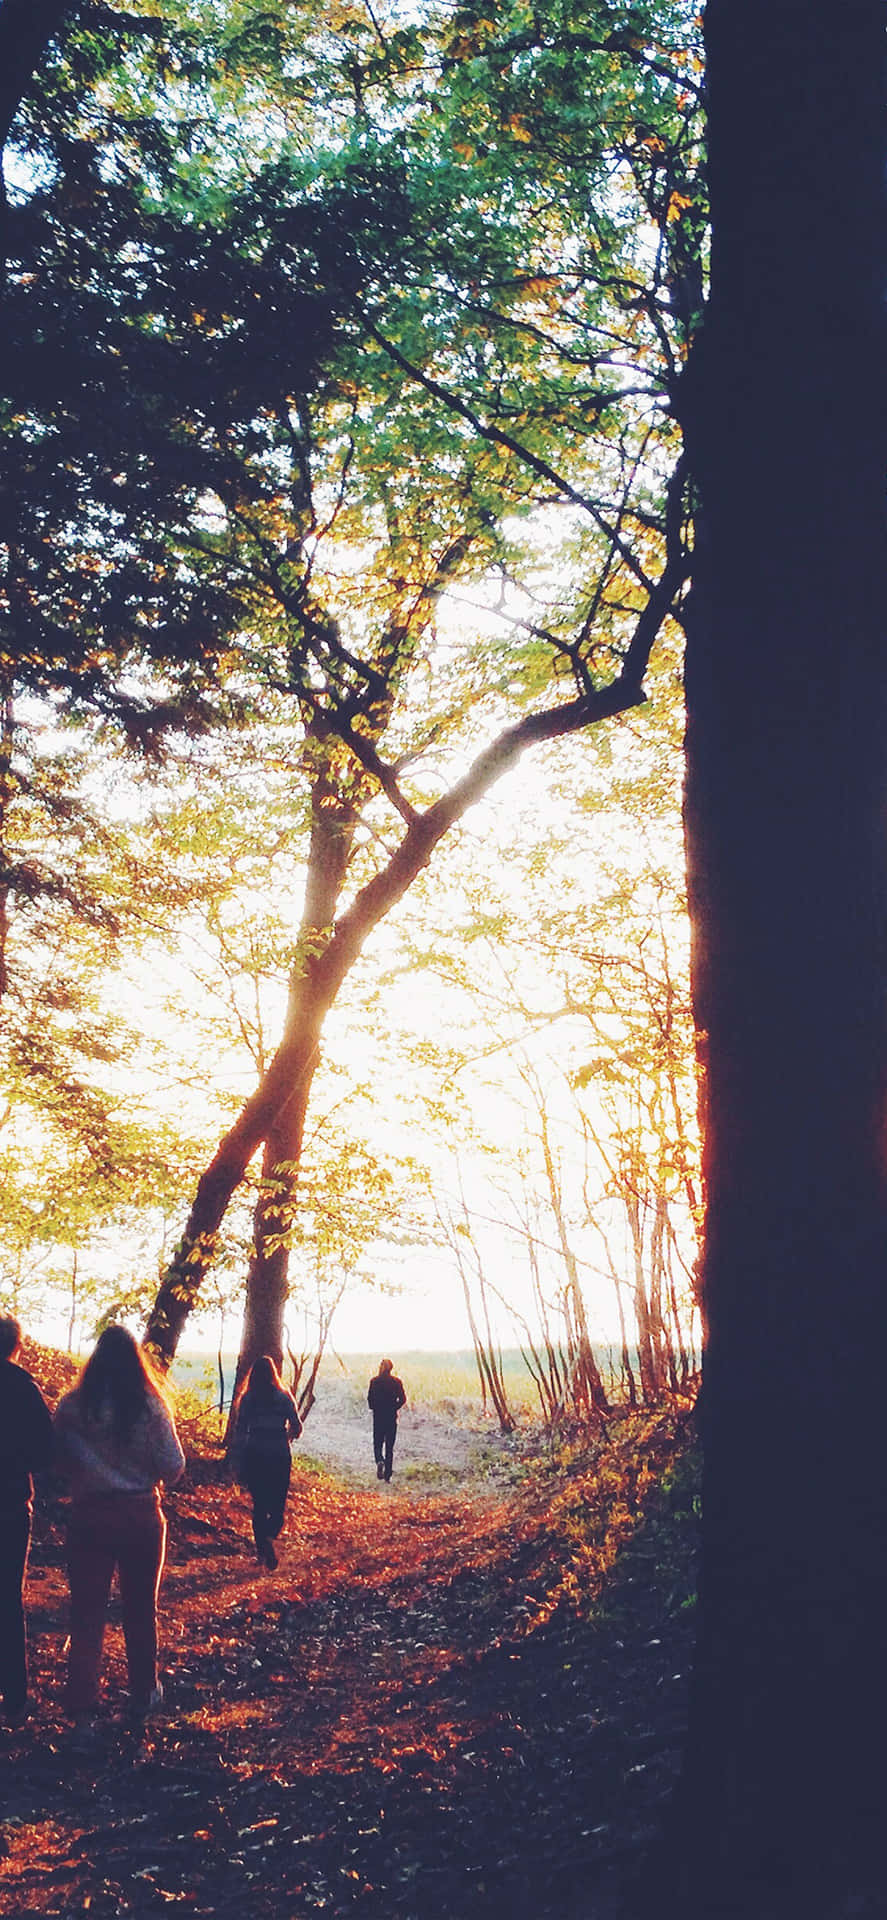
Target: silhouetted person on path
{"x": 116, "y": 1441}
{"x": 385, "y": 1397}
{"x": 25, "y": 1447}
{"x": 265, "y": 1423}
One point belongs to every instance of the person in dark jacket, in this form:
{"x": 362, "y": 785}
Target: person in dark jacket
{"x": 385, "y": 1398}
{"x": 265, "y": 1423}
{"x": 25, "y": 1447}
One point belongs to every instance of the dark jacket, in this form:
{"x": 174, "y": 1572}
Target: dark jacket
{"x": 25, "y": 1434}
{"x": 264, "y": 1428}
{"x": 386, "y": 1394}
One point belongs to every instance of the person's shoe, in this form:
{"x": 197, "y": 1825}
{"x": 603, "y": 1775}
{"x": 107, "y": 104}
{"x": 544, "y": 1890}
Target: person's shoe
{"x": 270, "y": 1556}
{"x": 388, "y": 1473}
{"x": 380, "y": 1470}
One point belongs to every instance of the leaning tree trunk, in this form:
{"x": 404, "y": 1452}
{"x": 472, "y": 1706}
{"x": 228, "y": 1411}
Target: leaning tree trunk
{"x": 786, "y": 817}
{"x": 274, "y": 1118}
{"x": 267, "y": 1284}
{"x": 312, "y": 989}
{"x": 179, "y": 1290}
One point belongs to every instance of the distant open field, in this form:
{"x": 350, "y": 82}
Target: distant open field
{"x": 444, "y": 1436}
{"x": 446, "y": 1381}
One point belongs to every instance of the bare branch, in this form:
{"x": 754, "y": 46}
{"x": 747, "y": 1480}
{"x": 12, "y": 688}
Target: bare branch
{"x": 499, "y": 438}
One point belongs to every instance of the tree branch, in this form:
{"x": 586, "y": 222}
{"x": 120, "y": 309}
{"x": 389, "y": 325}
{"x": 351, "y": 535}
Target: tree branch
{"x": 388, "y": 886}
{"x": 497, "y": 436}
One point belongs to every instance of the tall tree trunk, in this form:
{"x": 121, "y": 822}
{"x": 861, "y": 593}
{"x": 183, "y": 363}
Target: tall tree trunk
{"x": 267, "y": 1282}
{"x": 333, "y": 823}
{"x": 586, "y": 1385}
{"x": 72, "y": 1310}
{"x": 275, "y": 1116}
{"x": 179, "y": 1289}
{"x": 639, "y": 1298}
{"x": 663, "y": 1352}
{"x": 786, "y": 816}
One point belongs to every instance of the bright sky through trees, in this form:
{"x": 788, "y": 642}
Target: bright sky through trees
{"x": 447, "y": 1003}
{"x": 345, "y": 474}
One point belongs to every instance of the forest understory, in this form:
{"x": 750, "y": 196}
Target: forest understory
{"x": 463, "y": 1702}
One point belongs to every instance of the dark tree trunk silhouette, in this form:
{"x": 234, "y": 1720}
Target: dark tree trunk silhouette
{"x": 786, "y": 812}
{"x": 27, "y": 27}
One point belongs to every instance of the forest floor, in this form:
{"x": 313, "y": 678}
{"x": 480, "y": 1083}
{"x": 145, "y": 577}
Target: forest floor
{"x": 460, "y": 1695}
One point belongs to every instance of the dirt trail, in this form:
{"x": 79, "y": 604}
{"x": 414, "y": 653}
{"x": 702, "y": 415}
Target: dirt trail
{"x": 408, "y": 1721}
{"x": 435, "y": 1447}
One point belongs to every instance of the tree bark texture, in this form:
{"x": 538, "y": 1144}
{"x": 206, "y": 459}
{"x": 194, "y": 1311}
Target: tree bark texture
{"x": 786, "y": 822}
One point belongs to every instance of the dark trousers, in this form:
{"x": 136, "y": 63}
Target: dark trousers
{"x": 15, "y": 1535}
{"x": 384, "y": 1436}
{"x": 268, "y": 1483}
{"x": 126, "y": 1531}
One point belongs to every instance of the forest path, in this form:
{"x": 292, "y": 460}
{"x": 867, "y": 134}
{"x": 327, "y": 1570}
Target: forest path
{"x": 440, "y": 1446}
{"x": 414, "y": 1718}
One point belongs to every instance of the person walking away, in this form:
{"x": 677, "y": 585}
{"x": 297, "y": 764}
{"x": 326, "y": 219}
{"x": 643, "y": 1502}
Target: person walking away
{"x": 25, "y": 1448}
{"x": 116, "y": 1443}
{"x": 385, "y": 1398}
{"x": 266, "y": 1421}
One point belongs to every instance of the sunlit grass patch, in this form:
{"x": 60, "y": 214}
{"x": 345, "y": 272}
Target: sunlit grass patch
{"x": 224, "y": 1714}
{"x": 424, "y": 1474}
{"x": 307, "y": 1467}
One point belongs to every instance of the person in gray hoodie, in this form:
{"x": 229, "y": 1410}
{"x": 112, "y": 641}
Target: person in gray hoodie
{"x": 115, "y": 1443}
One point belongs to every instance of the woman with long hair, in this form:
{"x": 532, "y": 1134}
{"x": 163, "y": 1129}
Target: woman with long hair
{"x": 266, "y": 1420}
{"x": 116, "y": 1441}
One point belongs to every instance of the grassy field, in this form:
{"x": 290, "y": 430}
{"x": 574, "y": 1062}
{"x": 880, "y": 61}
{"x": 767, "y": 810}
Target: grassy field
{"x": 446, "y": 1381}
